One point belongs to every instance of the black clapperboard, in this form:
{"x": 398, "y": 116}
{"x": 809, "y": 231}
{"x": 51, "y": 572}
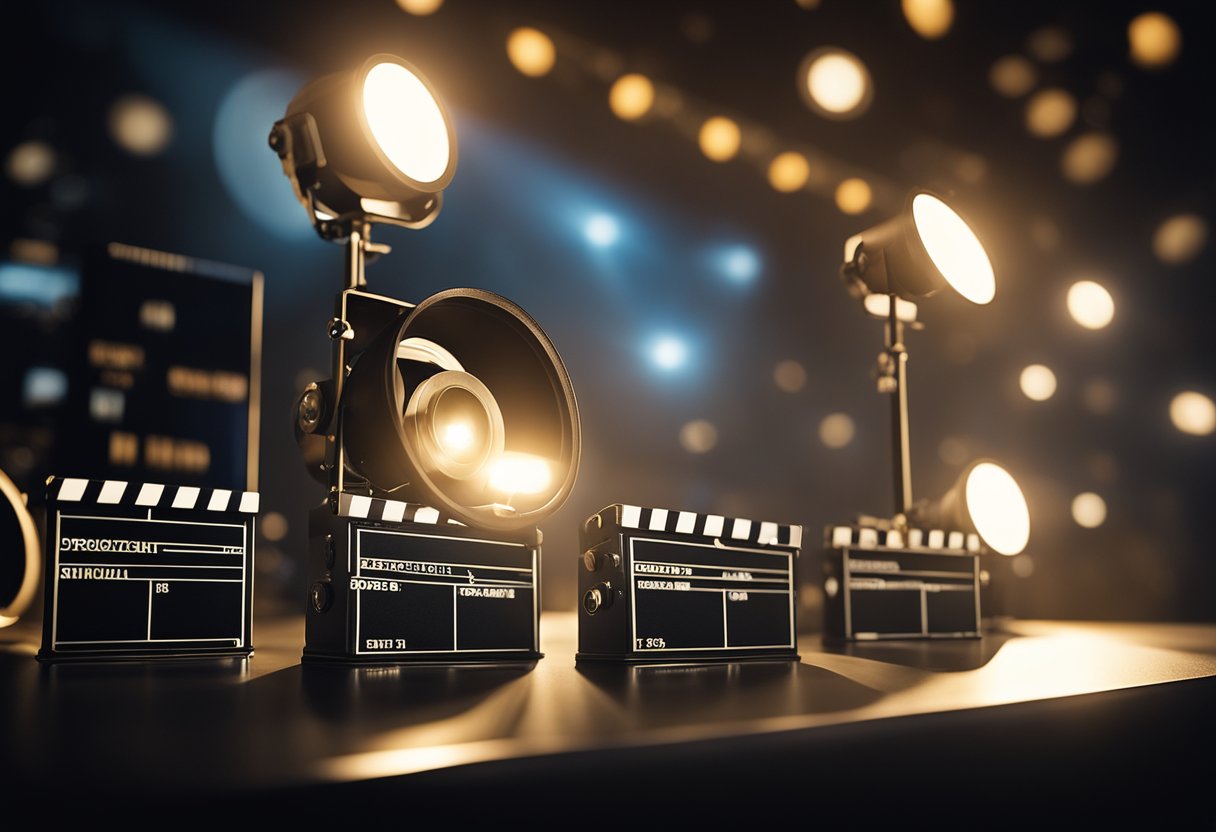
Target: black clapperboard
{"x": 681, "y": 586}
{"x": 137, "y": 570}
{"x": 881, "y": 584}
{"x": 396, "y": 583}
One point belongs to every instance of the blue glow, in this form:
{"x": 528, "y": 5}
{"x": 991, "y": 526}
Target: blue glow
{"x": 668, "y": 353}
{"x": 602, "y": 230}
{"x": 739, "y": 263}
{"x": 248, "y": 168}
{"x": 43, "y": 386}
{"x": 44, "y": 286}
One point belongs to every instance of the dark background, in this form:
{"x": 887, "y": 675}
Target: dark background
{"x": 540, "y": 157}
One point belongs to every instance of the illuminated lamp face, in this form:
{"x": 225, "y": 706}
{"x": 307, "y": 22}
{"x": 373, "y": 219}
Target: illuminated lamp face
{"x": 406, "y": 122}
{"x": 997, "y": 508}
{"x": 954, "y": 249}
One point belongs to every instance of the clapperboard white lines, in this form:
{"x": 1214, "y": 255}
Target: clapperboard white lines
{"x": 730, "y": 530}
{"x": 147, "y": 495}
{"x": 863, "y": 537}
{"x": 362, "y": 507}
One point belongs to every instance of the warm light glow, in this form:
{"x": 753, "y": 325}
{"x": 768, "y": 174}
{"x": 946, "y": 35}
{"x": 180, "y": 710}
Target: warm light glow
{"x": 789, "y": 172}
{"x": 519, "y": 473}
{"x": 836, "y": 430}
{"x": 140, "y": 125}
{"x": 1012, "y": 76}
{"x": 1180, "y": 238}
{"x": 406, "y": 122}
{"x": 1050, "y": 112}
{"x": 456, "y": 438}
{"x": 420, "y": 7}
{"x": 931, "y": 19}
{"x": 30, "y": 163}
{"x": 1038, "y": 383}
{"x": 1193, "y": 413}
{"x": 602, "y": 230}
{"x": 1049, "y": 44}
{"x": 531, "y": 52}
{"x": 1155, "y": 40}
{"x": 789, "y": 376}
{"x": 1099, "y": 396}
{"x": 1089, "y": 510}
{"x": 719, "y": 139}
{"x": 853, "y": 196}
{"x": 1090, "y": 304}
{"x": 274, "y": 526}
{"x": 998, "y": 508}
{"x": 838, "y": 83}
{"x": 1089, "y": 158}
{"x": 631, "y": 96}
{"x": 954, "y": 249}
{"x": 668, "y": 353}
{"x": 698, "y": 436}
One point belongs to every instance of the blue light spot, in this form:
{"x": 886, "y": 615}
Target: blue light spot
{"x": 43, "y": 286}
{"x": 249, "y": 169}
{"x": 668, "y": 353}
{"x": 739, "y": 263}
{"x": 43, "y": 386}
{"x": 602, "y": 230}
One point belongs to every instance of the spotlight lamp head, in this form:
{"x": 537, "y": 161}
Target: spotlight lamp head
{"x": 917, "y": 253}
{"x": 985, "y": 499}
{"x": 372, "y": 145}
{"x": 484, "y": 428}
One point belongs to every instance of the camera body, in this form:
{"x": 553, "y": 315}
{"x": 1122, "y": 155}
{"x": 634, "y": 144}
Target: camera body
{"x": 392, "y": 582}
{"x": 660, "y": 586}
{"x": 888, "y": 584}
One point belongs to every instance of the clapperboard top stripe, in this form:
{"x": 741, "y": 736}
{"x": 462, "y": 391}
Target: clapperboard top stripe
{"x": 362, "y": 507}
{"x": 730, "y": 530}
{"x": 865, "y": 537}
{"x": 150, "y": 495}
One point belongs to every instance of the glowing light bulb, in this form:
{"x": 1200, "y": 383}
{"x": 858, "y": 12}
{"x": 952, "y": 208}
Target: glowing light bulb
{"x": 457, "y": 438}
{"x": 1090, "y": 304}
{"x": 931, "y": 19}
{"x": 1155, "y": 40}
{"x": 1193, "y": 413}
{"x": 406, "y": 122}
{"x": 954, "y": 249}
{"x": 719, "y": 139}
{"x": 1089, "y": 510}
{"x": 1038, "y": 383}
{"x": 789, "y": 172}
{"x": 853, "y": 196}
{"x": 531, "y": 51}
{"x": 837, "y": 83}
{"x": 520, "y": 473}
{"x": 998, "y": 508}
{"x": 631, "y": 97}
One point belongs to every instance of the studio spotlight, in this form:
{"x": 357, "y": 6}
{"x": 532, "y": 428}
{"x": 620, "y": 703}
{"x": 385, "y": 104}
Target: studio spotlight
{"x": 449, "y": 427}
{"x": 372, "y": 145}
{"x": 924, "y": 249}
{"x": 985, "y": 500}
{"x": 917, "y": 574}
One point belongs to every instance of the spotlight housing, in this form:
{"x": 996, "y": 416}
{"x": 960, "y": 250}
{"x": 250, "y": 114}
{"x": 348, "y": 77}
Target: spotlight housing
{"x": 448, "y": 428}
{"x": 986, "y": 500}
{"x": 919, "y": 252}
{"x": 376, "y": 143}
{"x": 435, "y": 428}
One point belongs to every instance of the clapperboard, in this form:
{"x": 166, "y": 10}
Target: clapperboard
{"x": 137, "y": 570}
{"x": 885, "y": 584}
{"x": 393, "y": 582}
{"x": 663, "y": 585}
